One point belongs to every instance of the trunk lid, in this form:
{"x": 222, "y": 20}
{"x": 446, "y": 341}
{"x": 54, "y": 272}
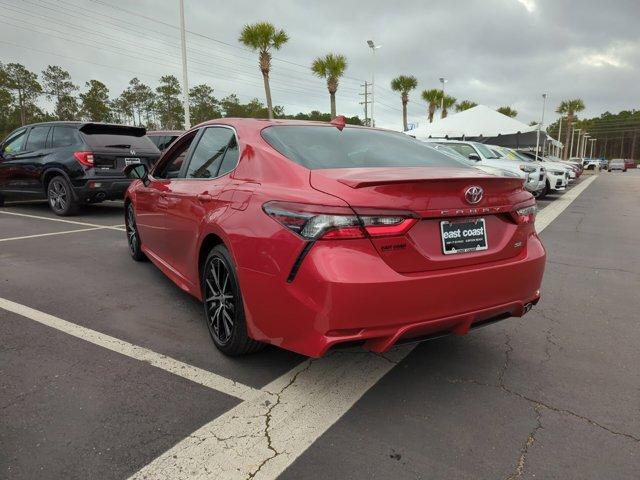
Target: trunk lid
{"x": 434, "y": 194}
{"x": 116, "y": 146}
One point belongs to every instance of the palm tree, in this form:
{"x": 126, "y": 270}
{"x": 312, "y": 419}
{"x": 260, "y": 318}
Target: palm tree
{"x": 508, "y": 111}
{"x": 432, "y": 97}
{"x": 404, "y": 84}
{"x": 465, "y": 105}
{"x": 262, "y": 37}
{"x": 569, "y": 108}
{"x": 331, "y": 67}
{"x": 447, "y": 103}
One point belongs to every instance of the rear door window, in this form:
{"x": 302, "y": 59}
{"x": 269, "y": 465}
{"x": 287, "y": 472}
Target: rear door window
{"x": 37, "y": 137}
{"x": 209, "y": 155}
{"x": 64, "y": 136}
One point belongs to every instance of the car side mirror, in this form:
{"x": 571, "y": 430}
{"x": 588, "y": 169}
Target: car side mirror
{"x": 474, "y": 156}
{"x": 137, "y": 171}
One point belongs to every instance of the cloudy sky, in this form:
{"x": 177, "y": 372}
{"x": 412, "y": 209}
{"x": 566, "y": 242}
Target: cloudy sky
{"x": 494, "y": 52}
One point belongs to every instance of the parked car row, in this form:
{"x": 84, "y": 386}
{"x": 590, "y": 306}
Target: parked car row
{"x": 541, "y": 175}
{"x": 307, "y": 235}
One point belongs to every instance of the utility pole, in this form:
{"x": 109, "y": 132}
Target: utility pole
{"x": 373, "y": 48}
{"x": 544, "y": 104}
{"x": 366, "y": 103}
{"x": 185, "y": 81}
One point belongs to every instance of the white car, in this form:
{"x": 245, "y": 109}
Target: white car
{"x": 501, "y": 172}
{"x": 557, "y": 173}
{"x": 532, "y": 174}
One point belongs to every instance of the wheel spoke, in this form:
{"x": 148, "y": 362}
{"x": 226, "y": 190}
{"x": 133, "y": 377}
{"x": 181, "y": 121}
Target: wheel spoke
{"x": 227, "y": 323}
{"x": 211, "y": 287}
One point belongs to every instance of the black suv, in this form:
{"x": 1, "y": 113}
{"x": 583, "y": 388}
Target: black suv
{"x": 71, "y": 163}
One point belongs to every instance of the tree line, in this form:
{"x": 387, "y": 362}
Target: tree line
{"x": 158, "y": 107}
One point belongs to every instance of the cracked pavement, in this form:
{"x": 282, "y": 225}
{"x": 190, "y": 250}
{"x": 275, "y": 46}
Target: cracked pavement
{"x": 553, "y": 395}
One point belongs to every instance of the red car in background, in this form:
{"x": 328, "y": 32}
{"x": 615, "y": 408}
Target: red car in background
{"x": 307, "y": 235}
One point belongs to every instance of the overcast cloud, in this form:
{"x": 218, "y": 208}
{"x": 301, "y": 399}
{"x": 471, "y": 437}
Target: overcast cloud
{"x": 494, "y": 52}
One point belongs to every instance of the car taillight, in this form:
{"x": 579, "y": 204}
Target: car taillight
{"x": 524, "y": 215}
{"x": 85, "y": 158}
{"x": 315, "y": 222}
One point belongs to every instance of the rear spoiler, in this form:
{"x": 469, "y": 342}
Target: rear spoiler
{"x": 112, "y": 129}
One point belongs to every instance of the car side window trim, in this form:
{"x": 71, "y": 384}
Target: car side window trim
{"x": 169, "y": 154}
{"x": 194, "y": 145}
{"x": 15, "y": 134}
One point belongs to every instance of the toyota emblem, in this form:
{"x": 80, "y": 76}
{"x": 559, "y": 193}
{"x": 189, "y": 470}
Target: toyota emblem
{"x": 473, "y": 194}
{"x": 132, "y": 151}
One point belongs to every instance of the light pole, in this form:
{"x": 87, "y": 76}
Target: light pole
{"x": 373, "y": 48}
{"x": 584, "y": 144}
{"x": 592, "y": 140}
{"x": 544, "y": 104}
{"x": 559, "y": 137}
{"x": 442, "y": 81}
{"x": 185, "y": 81}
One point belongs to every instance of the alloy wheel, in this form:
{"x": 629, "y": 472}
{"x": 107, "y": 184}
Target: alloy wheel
{"x": 132, "y": 232}
{"x": 58, "y": 195}
{"x": 219, "y": 300}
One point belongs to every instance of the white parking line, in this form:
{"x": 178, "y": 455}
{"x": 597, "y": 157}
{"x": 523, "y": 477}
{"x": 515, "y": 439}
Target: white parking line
{"x": 555, "y": 208}
{"x": 195, "y": 374}
{"x": 49, "y": 234}
{"x": 261, "y": 437}
{"x": 72, "y": 222}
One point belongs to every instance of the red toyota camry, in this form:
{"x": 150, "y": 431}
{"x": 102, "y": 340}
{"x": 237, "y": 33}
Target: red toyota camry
{"x": 308, "y": 235}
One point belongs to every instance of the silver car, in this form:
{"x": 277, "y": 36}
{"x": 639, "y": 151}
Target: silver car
{"x": 617, "y": 164}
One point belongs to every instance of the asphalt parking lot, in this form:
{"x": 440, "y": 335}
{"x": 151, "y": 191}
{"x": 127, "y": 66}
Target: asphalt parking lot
{"x": 107, "y": 370}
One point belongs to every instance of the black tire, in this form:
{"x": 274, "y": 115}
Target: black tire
{"x": 223, "y": 306}
{"x": 133, "y": 237}
{"x": 61, "y": 198}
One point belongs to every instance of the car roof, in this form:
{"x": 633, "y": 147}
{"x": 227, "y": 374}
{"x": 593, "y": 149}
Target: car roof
{"x": 55, "y": 122}
{"x": 264, "y": 122}
{"x": 155, "y": 133}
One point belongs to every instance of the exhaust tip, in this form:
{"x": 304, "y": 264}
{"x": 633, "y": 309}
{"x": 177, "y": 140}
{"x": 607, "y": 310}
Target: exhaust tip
{"x": 527, "y": 307}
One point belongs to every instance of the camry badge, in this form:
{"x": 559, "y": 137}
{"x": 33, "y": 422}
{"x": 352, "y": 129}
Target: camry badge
{"x": 473, "y": 194}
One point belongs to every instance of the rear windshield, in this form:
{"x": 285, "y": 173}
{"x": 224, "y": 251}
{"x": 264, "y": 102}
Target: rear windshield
{"x": 317, "y": 147}
{"x": 103, "y": 140}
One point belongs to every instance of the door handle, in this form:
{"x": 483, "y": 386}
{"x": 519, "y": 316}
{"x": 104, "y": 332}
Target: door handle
{"x": 204, "y": 197}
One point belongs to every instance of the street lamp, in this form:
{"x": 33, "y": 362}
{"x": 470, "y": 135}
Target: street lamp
{"x": 373, "y": 48}
{"x": 442, "y": 81}
{"x": 573, "y": 134}
{"x": 544, "y": 104}
{"x": 584, "y": 144}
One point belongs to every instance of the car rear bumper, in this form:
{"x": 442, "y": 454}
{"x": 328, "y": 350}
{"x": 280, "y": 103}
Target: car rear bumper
{"x": 344, "y": 295}
{"x": 98, "y": 189}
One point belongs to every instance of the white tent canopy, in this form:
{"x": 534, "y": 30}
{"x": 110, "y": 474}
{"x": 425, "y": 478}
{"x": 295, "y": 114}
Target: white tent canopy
{"x": 474, "y": 122}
